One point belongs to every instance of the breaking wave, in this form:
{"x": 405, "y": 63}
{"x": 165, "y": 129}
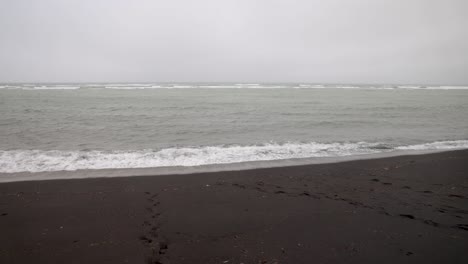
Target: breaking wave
{"x": 139, "y": 86}
{"x": 54, "y": 160}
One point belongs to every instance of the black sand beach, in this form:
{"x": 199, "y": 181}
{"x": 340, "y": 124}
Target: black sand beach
{"x": 407, "y": 209}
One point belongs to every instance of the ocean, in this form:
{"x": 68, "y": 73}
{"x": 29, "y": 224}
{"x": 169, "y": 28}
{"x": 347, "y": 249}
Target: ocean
{"x": 57, "y": 127}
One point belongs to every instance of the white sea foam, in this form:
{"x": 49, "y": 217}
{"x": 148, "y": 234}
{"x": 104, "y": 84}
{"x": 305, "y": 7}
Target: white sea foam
{"x": 56, "y": 87}
{"x": 415, "y": 87}
{"x": 139, "y": 86}
{"x": 409, "y": 87}
{"x": 448, "y": 87}
{"x": 438, "y": 145}
{"x": 348, "y": 87}
{"x": 41, "y": 87}
{"x": 316, "y": 86}
{"x": 54, "y": 160}
{"x": 183, "y": 86}
{"x": 44, "y": 87}
{"x": 128, "y": 87}
{"x": 219, "y": 86}
{"x": 125, "y": 84}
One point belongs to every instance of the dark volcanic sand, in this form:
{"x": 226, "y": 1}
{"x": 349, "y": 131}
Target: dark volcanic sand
{"x": 409, "y": 209}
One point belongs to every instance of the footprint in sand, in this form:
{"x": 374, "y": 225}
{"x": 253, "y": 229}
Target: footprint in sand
{"x": 462, "y": 226}
{"x": 426, "y": 191}
{"x": 152, "y": 240}
{"x": 407, "y": 216}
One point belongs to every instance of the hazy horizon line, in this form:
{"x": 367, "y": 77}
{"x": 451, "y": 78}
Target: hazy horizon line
{"x": 228, "y": 82}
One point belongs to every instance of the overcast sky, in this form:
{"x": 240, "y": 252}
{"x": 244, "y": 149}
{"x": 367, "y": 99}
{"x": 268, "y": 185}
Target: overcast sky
{"x": 332, "y": 41}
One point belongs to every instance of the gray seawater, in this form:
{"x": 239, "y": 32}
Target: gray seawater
{"x": 129, "y": 126}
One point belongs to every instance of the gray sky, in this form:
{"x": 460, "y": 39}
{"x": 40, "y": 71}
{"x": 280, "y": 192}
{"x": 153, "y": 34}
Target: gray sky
{"x": 334, "y": 41}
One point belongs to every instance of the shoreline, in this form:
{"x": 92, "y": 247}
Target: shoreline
{"x": 223, "y": 167}
{"x": 403, "y": 209}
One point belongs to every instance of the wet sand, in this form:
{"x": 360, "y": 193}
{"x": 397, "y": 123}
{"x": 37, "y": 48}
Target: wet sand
{"x": 407, "y": 209}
